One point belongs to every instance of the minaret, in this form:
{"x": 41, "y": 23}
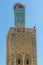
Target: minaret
{"x": 19, "y": 11}
{"x": 21, "y": 41}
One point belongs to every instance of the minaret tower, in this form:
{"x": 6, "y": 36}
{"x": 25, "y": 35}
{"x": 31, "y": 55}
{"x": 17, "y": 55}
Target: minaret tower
{"x": 21, "y": 41}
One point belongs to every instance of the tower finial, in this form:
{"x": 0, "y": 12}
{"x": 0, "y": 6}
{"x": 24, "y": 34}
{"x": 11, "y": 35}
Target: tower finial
{"x": 18, "y": 5}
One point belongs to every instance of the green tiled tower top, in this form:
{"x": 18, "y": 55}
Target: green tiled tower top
{"x": 19, "y": 11}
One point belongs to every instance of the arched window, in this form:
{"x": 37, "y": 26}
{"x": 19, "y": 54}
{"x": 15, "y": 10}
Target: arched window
{"x": 18, "y": 61}
{"x": 27, "y": 60}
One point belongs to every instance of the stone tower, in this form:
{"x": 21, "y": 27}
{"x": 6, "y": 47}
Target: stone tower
{"x": 21, "y": 41}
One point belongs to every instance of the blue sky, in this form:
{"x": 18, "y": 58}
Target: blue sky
{"x": 33, "y": 17}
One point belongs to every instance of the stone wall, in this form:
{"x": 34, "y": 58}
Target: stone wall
{"x": 21, "y": 44}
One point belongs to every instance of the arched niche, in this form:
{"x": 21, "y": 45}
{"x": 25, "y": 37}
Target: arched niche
{"x": 19, "y": 59}
{"x": 27, "y": 59}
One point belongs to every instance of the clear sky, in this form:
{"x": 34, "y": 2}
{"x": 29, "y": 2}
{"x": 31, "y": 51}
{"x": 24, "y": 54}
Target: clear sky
{"x": 33, "y": 16}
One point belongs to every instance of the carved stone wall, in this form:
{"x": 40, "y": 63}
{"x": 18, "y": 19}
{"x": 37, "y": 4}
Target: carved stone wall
{"x": 21, "y": 47}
